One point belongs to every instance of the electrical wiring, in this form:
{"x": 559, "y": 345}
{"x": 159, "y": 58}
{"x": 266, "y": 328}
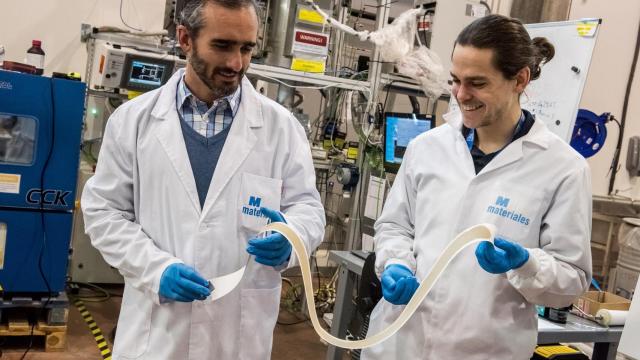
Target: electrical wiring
{"x": 117, "y": 30}
{"x": 623, "y": 118}
{"x": 124, "y": 22}
{"x": 324, "y": 295}
{"x": 99, "y": 294}
{"x": 337, "y": 122}
{"x": 363, "y": 89}
{"x": 292, "y": 323}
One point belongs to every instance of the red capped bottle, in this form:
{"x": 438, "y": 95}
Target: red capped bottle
{"x": 35, "y": 56}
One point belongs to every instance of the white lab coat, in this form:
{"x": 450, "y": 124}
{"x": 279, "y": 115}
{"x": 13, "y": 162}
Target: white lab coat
{"x": 544, "y": 188}
{"x": 142, "y": 212}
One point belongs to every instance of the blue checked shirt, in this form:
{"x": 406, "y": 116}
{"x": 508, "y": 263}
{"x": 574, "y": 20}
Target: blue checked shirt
{"x": 204, "y": 120}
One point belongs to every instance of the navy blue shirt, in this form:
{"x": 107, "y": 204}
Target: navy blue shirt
{"x": 480, "y": 159}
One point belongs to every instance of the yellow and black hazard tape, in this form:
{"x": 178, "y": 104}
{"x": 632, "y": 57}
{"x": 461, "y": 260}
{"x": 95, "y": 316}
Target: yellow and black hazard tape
{"x": 95, "y": 330}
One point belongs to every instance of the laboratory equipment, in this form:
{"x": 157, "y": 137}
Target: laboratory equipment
{"x": 86, "y": 263}
{"x": 589, "y": 132}
{"x": 348, "y": 175}
{"x": 399, "y": 130}
{"x": 40, "y": 124}
{"x": 132, "y": 67}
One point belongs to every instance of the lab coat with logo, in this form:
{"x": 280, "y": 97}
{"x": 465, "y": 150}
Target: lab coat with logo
{"x": 537, "y": 192}
{"x": 142, "y": 212}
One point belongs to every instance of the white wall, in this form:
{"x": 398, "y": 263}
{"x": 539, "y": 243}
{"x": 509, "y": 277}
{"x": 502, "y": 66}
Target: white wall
{"x": 57, "y": 24}
{"x": 605, "y": 87}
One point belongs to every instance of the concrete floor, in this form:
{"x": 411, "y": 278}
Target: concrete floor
{"x": 290, "y": 341}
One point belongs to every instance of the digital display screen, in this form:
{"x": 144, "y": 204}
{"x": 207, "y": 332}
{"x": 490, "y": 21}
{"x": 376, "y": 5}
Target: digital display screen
{"x": 145, "y": 73}
{"x": 399, "y": 130}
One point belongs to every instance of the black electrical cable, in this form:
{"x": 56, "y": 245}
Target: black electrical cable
{"x": 415, "y": 105}
{"x": 386, "y": 97}
{"x": 292, "y": 323}
{"x": 625, "y": 106}
{"x": 612, "y": 118}
{"x": 42, "y": 222}
{"x": 100, "y": 294}
{"x": 122, "y": 19}
{"x": 422, "y": 35}
{"x": 486, "y": 5}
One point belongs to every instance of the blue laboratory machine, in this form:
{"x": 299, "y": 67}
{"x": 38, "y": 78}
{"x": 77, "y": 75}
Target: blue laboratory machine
{"x": 40, "y": 129}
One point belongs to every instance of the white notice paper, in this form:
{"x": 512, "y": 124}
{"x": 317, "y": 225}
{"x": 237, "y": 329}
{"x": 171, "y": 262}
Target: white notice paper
{"x": 629, "y": 344}
{"x": 375, "y": 197}
{"x": 367, "y": 242}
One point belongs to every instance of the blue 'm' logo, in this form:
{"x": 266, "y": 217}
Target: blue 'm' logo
{"x": 253, "y": 208}
{"x": 502, "y": 201}
{"x": 254, "y": 201}
{"x": 501, "y": 209}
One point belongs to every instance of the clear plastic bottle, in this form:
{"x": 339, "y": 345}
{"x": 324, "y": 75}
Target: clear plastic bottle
{"x": 35, "y": 56}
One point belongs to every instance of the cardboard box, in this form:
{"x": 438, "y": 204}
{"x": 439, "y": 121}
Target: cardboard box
{"x": 592, "y": 301}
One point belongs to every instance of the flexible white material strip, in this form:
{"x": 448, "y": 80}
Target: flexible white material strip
{"x": 482, "y": 232}
{"x": 223, "y": 285}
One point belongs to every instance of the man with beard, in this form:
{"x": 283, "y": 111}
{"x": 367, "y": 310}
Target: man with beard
{"x": 187, "y": 176}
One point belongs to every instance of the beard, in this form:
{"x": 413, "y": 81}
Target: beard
{"x": 220, "y": 88}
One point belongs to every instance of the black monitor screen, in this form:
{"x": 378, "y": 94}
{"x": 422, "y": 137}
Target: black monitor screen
{"x": 399, "y": 130}
{"x": 146, "y": 73}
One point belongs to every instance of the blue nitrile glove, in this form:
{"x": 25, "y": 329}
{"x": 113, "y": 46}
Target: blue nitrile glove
{"x": 398, "y": 284}
{"x": 183, "y": 283}
{"x": 503, "y": 257}
{"x": 273, "y": 249}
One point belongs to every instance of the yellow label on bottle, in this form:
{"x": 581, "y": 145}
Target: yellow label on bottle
{"x": 311, "y": 16}
{"x": 311, "y": 66}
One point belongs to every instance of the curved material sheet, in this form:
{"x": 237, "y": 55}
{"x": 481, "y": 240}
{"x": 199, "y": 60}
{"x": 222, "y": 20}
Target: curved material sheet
{"x": 222, "y": 285}
{"x": 482, "y": 232}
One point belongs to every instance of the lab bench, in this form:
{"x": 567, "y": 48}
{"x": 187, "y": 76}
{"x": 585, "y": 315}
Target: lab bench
{"x": 575, "y": 330}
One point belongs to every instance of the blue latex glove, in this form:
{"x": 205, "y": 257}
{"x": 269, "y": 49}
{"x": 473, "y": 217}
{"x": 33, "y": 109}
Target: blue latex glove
{"x": 273, "y": 249}
{"x": 183, "y": 283}
{"x": 503, "y": 257}
{"x": 398, "y": 284}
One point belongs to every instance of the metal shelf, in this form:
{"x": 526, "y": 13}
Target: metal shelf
{"x": 401, "y": 84}
{"x": 404, "y": 85}
{"x": 268, "y": 73}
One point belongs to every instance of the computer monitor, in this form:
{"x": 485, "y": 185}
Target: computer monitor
{"x": 399, "y": 130}
{"x": 145, "y": 73}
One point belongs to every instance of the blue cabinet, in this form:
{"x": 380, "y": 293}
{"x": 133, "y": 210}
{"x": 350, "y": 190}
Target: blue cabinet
{"x": 40, "y": 133}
